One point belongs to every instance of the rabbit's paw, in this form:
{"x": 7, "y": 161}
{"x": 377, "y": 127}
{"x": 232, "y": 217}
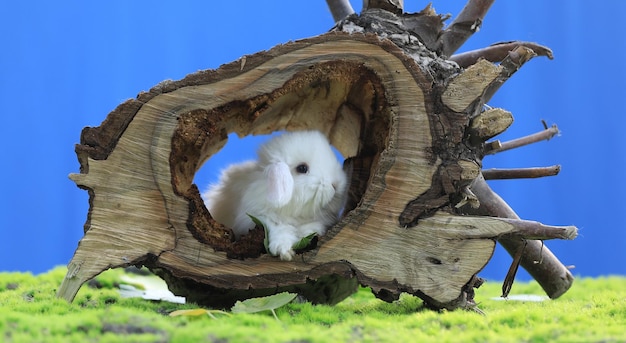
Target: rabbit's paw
{"x": 281, "y": 242}
{"x": 282, "y": 249}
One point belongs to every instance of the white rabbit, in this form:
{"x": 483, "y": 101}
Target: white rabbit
{"x": 296, "y": 188}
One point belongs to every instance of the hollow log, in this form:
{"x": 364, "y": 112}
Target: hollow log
{"x": 413, "y": 131}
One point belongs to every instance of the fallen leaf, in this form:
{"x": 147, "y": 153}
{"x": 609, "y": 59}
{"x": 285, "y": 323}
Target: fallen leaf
{"x": 269, "y": 303}
{"x": 198, "y": 312}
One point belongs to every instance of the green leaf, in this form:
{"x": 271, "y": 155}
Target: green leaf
{"x": 269, "y": 303}
{"x": 266, "y": 240}
{"x": 304, "y": 242}
{"x": 301, "y": 245}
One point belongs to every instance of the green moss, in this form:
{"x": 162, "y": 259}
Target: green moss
{"x": 593, "y": 310}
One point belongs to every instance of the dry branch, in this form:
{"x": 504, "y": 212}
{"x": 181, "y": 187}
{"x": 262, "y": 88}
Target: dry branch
{"x": 497, "y": 52}
{"x": 526, "y": 140}
{"x": 464, "y": 26}
{"x": 339, "y": 9}
{"x": 520, "y": 173}
{"x": 535, "y": 230}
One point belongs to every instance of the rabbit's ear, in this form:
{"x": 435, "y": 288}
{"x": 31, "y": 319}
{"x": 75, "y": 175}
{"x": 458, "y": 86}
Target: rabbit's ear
{"x": 279, "y": 184}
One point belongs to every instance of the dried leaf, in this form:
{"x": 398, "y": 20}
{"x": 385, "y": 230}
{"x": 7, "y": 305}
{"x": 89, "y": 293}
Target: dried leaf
{"x": 198, "y": 312}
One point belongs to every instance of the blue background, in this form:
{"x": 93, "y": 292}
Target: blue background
{"x": 67, "y": 65}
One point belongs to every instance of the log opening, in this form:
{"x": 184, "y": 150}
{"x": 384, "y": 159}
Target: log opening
{"x": 343, "y": 100}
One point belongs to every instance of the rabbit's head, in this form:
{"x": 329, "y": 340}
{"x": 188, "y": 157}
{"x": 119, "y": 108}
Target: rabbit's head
{"x": 303, "y": 174}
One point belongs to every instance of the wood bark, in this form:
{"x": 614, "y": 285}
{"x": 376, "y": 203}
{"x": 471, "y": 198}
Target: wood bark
{"x": 410, "y": 122}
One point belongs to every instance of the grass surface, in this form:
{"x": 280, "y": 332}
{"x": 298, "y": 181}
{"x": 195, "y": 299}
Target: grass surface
{"x": 593, "y": 310}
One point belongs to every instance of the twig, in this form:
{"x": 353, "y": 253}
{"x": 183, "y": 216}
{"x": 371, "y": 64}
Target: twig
{"x": 526, "y": 140}
{"x": 497, "y": 52}
{"x": 520, "y": 173}
{"x": 464, "y": 25}
{"x": 551, "y": 274}
{"x": 510, "y": 275}
{"x": 339, "y": 9}
{"x": 529, "y": 229}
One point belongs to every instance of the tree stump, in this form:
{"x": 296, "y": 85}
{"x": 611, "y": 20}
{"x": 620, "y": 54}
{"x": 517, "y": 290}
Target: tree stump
{"x": 413, "y": 128}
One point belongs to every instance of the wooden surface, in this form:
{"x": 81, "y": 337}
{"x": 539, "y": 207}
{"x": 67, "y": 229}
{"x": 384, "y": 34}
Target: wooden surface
{"x": 403, "y": 130}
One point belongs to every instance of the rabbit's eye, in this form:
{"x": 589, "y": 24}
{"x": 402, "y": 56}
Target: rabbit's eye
{"x": 302, "y": 168}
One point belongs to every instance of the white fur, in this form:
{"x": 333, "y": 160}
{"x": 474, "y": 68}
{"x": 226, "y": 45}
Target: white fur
{"x": 292, "y": 205}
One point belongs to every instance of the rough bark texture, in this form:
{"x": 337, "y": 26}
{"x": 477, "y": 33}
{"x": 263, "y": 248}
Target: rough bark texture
{"x": 411, "y": 123}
